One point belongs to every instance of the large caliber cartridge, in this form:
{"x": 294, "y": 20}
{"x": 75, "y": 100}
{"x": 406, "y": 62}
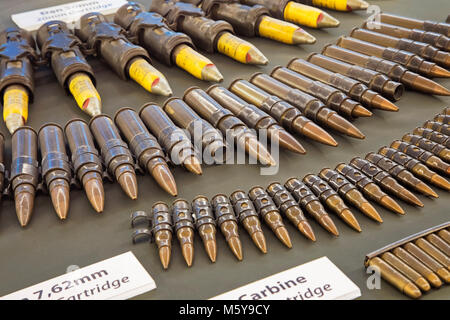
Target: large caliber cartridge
{"x": 290, "y": 208}
{"x": 308, "y": 201}
{"x": 393, "y": 70}
{"x": 17, "y": 55}
{"x": 86, "y": 161}
{"x": 439, "y": 127}
{"x": 205, "y": 224}
{"x": 296, "y": 12}
{"x": 128, "y": 60}
{"x": 410, "y": 60}
{"x": 63, "y": 50}
{"x": 415, "y": 166}
{"x": 434, "y": 252}
{"x": 175, "y": 142}
{"x": 115, "y": 153}
{"x": 24, "y": 172}
{"x": 422, "y": 155}
{"x": 249, "y": 218}
{"x": 255, "y": 20}
{"x": 169, "y": 47}
{"x": 55, "y": 165}
{"x": 311, "y": 107}
{"x": 353, "y": 88}
{"x": 255, "y": 118}
{"x": 424, "y": 50}
{"x": 433, "y": 136}
{"x": 400, "y": 173}
{"x": 183, "y": 225}
{"x": 161, "y": 222}
{"x": 411, "y": 23}
{"x": 374, "y": 80}
{"x": 226, "y": 220}
{"x": 230, "y": 126}
{"x": 394, "y": 277}
{"x": 385, "y": 181}
{"x": 286, "y": 114}
{"x": 204, "y": 136}
{"x": 268, "y": 210}
{"x": 339, "y": 5}
{"x": 435, "y": 39}
{"x": 428, "y": 145}
{"x": 349, "y": 192}
{"x": 368, "y": 187}
{"x": 439, "y": 243}
{"x": 333, "y": 98}
{"x": 145, "y": 148}
{"x": 331, "y": 198}
{"x": 207, "y": 34}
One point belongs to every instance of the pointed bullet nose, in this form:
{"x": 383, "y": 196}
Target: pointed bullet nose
{"x": 260, "y": 241}
{"x": 440, "y": 182}
{"x": 60, "y": 198}
{"x": 92, "y": 106}
{"x": 411, "y": 198}
{"x": 164, "y": 256}
{"x": 439, "y": 72}
{"x": 95, "y": 194}
{"x": 360, "y": 111}
{"x": 301, "y": 36}
{"x": 283, "y": 235}
{"x": 164, "y": 178}
{"x": 24, "y": 207}
{"x": 350, "y": 219}
{"x": 128, "y": 183}
{"x": 382, "y": 103}
{"x": 287, "y": 141}
{"x": 370, "y": 211}
{"x": 340, "y": 124}
{"x": 187, "y": 250}
{"x": 236, "y": 247}
{"x": 161, "y": 86}
{"x": 211, "y": 73}
{"x": 193, "y": 165}
{"x": 390, "y": 204}
{"x": 258, "y": 151}
{"x": 313, "y": 131}
{"x": 327, "y": 21}
{"x": 305, "y": 228}
{"x": 326, "y": 222}
{"x": 211, "y": 249}
{"x": 426, "y": 190}
{"x": 256, "y": 57}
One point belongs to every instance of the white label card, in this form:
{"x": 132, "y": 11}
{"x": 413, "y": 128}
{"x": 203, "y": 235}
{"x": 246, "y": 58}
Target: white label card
{"x": 319, "y": 279}
{"x": 117, "y": 278}
{"x": 69, "y": 13}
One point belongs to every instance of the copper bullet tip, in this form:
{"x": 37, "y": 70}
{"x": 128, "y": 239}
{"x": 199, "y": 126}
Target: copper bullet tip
{"x": 128, "y": 183}
{"x": 188, "y": 253}
{"x": 24, "y": 207}
{"x": 313, "y": 131}
{"x": 236, "y": 247}
{"x": 426, "y": 190}
{"x": 340, "y": 124}
{"x": 434, "y": 280}
{"x": 193, "y": 165}
{"x": 390, "y": 204}
{"x": 164, "y": 178}
{"x": 370, "y": 211}
{"x": 305, "y": 228}
{"x": 350, "y": 219}
{"x": 258, "y": 151}
{"x": 260, "y": 241}
{"x": 439, "y": 72}
{"x": 95, "y": 194}
{"x": 283, "y": 235}
{"x": 59, "y": 194}
{"x": 360, "y": 111}
{"x": 444, "y": 274}
{"x": 410, "y": 197}
{"x": 328, "y": 224}
{"x": 429, "y": 86}
{"x": 423, "y": 284}
{"x": 211, "y": 249}
{"x": 440, "y": 182}
{"x": 164, "y": 256}
{"x": 287, "y": 141}
{"x": 383, "y": 104}
{"x": 412, "y": 291}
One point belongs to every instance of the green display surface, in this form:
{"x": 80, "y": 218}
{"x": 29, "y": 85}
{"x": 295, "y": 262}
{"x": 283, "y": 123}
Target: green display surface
{"x": 47, "y": 246}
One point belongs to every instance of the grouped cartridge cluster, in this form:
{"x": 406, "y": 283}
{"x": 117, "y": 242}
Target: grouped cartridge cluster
{"x": 393, "y": 172}
{"x": 416, "y": 263}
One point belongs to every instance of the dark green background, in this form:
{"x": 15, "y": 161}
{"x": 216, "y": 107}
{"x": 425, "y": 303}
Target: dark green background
{"x": 48, "y": 246}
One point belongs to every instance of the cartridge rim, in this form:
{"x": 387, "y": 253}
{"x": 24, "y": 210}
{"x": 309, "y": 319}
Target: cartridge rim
{"x": 189, "y": 90}
{"x": 170, "y": 99}
{"x": 146, "y": 105}
{"x": 234, "y": 81}
{"x": 49, "y": 124}
{"x": 212, "y": 87}
{"x": 120, "y": 110}
{"x": 96, "y": 117}
{"x": 255, "y": 75}
{"x": 73, "y": 120}
{"x": 160, "y": 202}
{"x": 236, "y": 191}
{"x": 275, "y": 69}
{"x": 179, "y": 200}
{"x": 25, "y": 128}
{"x": 200, "y": 196}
